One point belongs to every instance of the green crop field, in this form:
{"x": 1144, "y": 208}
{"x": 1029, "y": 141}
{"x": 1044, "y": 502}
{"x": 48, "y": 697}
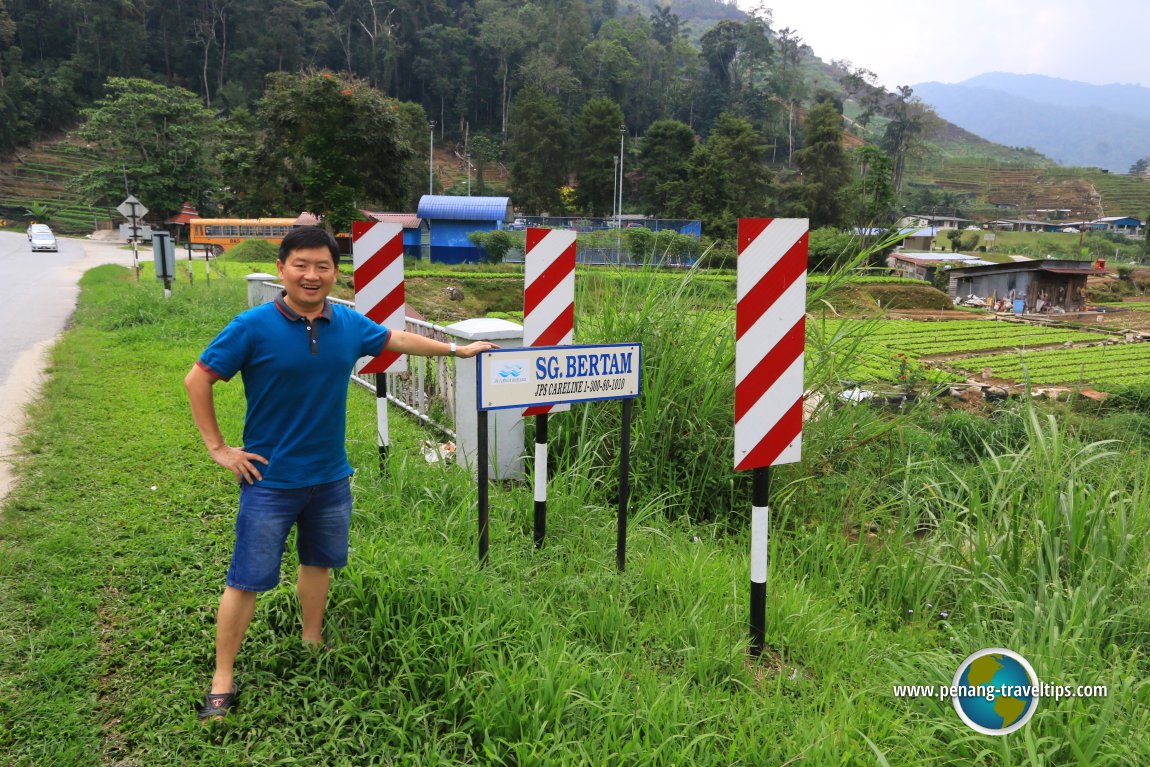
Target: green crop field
{"x": 883, "y": 349}
{"x": 1102, "y": 366}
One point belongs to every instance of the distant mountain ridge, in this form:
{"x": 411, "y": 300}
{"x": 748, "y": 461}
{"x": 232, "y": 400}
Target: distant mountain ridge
{"x": 1121, "y": 99}
{"x": 1106, "y": 126}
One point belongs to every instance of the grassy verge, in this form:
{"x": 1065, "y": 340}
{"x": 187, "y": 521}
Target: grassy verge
{"x": 900, "y": 546}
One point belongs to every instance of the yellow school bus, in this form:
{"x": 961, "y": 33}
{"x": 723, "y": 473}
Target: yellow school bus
{"x": 224, "y": 233}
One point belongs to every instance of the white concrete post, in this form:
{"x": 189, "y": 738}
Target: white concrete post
{"x": 257, "y": 293}
{"x": 505, "y": 427}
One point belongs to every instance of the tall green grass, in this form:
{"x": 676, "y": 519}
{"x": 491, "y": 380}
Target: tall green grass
{"x": 903, "y": 542}
{"x": 682, "y": 424}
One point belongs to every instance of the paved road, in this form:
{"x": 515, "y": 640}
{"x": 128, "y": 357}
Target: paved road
{"x": 42, "y": 291}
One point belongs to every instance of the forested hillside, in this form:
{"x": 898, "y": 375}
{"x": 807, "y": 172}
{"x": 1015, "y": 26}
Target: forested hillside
{"x": 463, "y": 61}
{"x": 198, "y": 100}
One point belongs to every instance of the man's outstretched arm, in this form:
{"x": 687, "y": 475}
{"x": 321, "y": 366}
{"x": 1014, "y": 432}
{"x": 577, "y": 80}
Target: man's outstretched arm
{"x": 412, "y": 343}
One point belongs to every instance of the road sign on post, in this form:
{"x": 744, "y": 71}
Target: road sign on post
{"x": 134, "y": 210}
{"x": 555, "y": 375}
{"x": 164, "y": 255}
{"x": 377, "y": 258}
{"x": 770, "y": 336}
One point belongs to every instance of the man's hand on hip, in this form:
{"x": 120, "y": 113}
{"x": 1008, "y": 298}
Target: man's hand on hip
{"x": 239, "y": 462}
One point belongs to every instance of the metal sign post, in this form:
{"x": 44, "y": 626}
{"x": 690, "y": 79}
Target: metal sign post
{"x": 164, "y": 255}
{"x": 557, "y": 375}
{"x": 770, "y": 334}
{"x": 134, "y": 210}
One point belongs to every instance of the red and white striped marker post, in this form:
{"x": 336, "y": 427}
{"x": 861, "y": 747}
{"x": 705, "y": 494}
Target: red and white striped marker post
{"x": 548, "y": 320}
{"x": 377, "y": 257}
{"x": 770, "y": 332}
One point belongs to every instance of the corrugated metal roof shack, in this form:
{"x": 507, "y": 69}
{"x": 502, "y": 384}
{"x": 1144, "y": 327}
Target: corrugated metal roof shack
{"x": 451, "y": 219}
{"x": 1041, "y": 285}
{"x": 412, "y": 230}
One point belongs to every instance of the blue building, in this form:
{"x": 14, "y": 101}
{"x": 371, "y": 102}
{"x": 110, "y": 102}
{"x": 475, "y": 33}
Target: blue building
{"x": 450, "y": 219}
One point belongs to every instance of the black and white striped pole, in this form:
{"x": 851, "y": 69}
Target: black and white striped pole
{"x": 383, "y": 436}
{"x": 540, "y": 479}
{"x": 760, "y": 554}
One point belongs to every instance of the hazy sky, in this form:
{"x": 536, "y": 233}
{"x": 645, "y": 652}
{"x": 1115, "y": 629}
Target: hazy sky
{"x": 912, "y": 41}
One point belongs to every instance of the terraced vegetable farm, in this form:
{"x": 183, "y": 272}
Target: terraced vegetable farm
{"x": 937, "y": 339}
{"x": 1099, "y": 366}
{"x": 946, "y": 351}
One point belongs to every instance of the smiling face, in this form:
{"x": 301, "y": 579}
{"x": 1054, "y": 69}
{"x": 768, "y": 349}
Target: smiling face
{"x": 308, "y": 275}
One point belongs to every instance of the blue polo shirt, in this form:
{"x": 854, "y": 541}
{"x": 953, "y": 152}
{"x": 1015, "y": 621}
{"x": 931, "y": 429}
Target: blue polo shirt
{"x": 295, "y": 373}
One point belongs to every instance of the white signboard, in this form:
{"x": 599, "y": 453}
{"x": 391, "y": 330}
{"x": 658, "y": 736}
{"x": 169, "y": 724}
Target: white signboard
{"x": 143, "y": 232}
{"x": 132, "y": 208}
{"x": 552, "y": 375}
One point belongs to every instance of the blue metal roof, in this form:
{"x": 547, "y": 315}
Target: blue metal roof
{"x": 465, "y": 208}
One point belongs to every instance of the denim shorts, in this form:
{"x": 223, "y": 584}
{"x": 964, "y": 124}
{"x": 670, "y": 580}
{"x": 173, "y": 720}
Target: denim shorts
{"x": 323, "y": 514}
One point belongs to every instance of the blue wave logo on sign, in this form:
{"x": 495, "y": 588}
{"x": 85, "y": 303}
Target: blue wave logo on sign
{"x": 511, "y": 371}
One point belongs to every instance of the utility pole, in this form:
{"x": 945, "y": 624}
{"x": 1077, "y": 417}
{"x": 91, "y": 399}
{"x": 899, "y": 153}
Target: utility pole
{"x": 431, "y": 161}
{"x": 467, "y": 153}
{"x": 619, "y": 207}
{"x": 622, "y": 134}
{"x": 615, "y": 189}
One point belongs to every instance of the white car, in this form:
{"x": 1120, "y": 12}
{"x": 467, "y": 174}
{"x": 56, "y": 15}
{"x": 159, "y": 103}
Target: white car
{"x": 33, "y": 228}
{"x": 43, "y": 241}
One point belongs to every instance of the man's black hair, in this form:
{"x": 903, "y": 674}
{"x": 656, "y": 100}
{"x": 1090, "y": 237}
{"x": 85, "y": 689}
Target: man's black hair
{"x": 303, "y": 237}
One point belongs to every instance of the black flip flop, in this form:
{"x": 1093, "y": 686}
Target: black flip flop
{"x": 217, "y": 704}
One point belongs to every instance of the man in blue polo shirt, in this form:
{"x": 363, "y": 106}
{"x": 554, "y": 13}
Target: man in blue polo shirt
{"x": 295, "y": 356}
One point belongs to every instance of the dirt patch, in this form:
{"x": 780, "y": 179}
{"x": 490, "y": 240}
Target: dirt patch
{"x": 872, "y": 300}
{"x": 446, "y": 300}
{"x": 936, "y": 315}
{"x": 1140, "y": 278}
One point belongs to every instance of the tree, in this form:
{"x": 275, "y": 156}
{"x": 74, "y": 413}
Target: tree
{"x": 538, "y": 148}
{"x": 955, "y": 237}
{"x": 444, "y": 61}
{"x": 791, "y": 82}
{"x": 502, "y": 33}
{"x": 729, "y": 176}
{"x": 825, "y": 166}
{"x": 608, "y": 62}
{"x": 596, "y": 143}
{"x": 871, "y": 192}
{"x": 908, "y": 119}
{"x": 152, "y": 139}
{"x": 666, "y": 25}
{"x": 1140, "y": 166}
{"x": 484, "y": 150}
{"x": 332, "y": 143}
{"x": 664, "y": 157}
